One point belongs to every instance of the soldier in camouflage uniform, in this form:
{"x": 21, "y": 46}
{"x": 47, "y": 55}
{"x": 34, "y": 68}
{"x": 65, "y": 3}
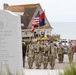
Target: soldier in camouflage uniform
{"x": 42, "y": 51}
{"x": 70, "y": 52}
{"x": 30, "y": 56}
{"x": 37, "y": 55}
{"x": 52, "y": 55}
{"x": 60, "y": 53}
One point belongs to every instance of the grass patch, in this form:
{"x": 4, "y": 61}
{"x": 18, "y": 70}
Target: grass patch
{"x": 69, "y": 70}
{"x": 8, "y": 72}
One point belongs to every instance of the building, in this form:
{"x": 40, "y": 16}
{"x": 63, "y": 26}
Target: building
{"x": 27, "y": 13}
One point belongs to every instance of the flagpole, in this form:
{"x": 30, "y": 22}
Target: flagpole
{"x": 44, "y": 27}
{"x": 38, "y": 25}
{"x": 38, "y": 32}
{"x": 42, "y": 21}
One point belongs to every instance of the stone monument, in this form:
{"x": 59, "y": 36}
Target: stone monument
{"x": 10, "y": 42}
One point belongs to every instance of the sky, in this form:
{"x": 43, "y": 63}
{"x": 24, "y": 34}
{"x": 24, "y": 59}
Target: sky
{"x": 60, "y": 13}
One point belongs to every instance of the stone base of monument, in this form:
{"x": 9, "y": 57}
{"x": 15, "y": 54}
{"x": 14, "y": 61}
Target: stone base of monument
{"x": 10, "y": 43}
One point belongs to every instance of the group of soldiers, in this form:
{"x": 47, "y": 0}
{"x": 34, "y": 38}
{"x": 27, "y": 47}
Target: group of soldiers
{"x": 70, "y": 53}
{"x": 47, "y": 54}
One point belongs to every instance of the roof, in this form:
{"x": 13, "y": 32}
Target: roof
{"x": 27, "y": 16}
{"x": 28, "y": 9}
{"x": 21, "y": 8}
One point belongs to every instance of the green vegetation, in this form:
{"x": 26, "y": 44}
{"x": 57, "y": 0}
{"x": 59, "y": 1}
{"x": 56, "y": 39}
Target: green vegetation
{"x": 69, "y": 70}
{"x": 8, "y": 72}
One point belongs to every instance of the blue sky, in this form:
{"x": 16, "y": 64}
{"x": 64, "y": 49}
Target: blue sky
{"x": 56, "y": 11}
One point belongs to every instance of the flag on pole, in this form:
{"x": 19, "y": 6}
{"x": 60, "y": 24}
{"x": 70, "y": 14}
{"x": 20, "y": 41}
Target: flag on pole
{"x": 36, "y": 21}
{"x": 42, "y": 19}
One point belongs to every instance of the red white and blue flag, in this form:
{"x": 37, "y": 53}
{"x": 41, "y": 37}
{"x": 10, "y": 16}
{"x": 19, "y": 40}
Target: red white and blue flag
{"x": 36, "y": 21}
{"x": 42, "y": 19}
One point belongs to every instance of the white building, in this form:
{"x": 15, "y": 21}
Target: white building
{"x": 27, "y": 13}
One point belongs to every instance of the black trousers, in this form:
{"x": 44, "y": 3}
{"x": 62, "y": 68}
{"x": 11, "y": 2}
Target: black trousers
{"x": 23, "y": 61}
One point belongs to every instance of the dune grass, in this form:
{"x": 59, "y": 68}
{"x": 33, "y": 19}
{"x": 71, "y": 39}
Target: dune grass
{"x": 8, "y": 72}
{"x": 69, "y": 70}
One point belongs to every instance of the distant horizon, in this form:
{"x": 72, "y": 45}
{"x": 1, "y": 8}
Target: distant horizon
{"x": 67, "y": 30}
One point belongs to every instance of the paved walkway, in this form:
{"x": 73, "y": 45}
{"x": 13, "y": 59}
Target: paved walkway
{"x": 58, "y": 67}
{"x": 57, "y": 64}
{"x": 41, "y": 72}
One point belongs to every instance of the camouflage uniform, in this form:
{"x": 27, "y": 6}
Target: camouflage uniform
{"x": 30, "y": 56}
{"x": 46, "y": 49}
{"x": 30, "y": 61}
{"x": 37, "y": 60}
{"x": 60, "y": 54}
{"x": 37, "y": 55}
{"x": 55, "y": 52}
{"x": 45, "y": 61}
{"x": 52, "y": 55}
{"x": 70, "y": 53}
{"x": 42, "y": 52}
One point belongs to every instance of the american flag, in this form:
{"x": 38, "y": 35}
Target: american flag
{"x": 36, "y": 20}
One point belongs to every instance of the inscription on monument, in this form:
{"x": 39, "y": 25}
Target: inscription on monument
{"x": 4, "y": 54}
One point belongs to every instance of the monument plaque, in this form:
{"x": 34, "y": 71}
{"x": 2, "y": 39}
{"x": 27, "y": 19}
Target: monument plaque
{"x": 10, "y": 42}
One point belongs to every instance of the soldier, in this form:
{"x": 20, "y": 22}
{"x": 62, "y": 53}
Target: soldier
{"x": 45, "y": 60}
{"x": 37, "y": 55}
{"x": 41, "y": 51}
{"x": 60, "y": 53}
{"x": 24, "y": 53}
{"x": 52, "y": 55}
{"x": 30, "y": 55}
{"x": 70, "y": 52}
